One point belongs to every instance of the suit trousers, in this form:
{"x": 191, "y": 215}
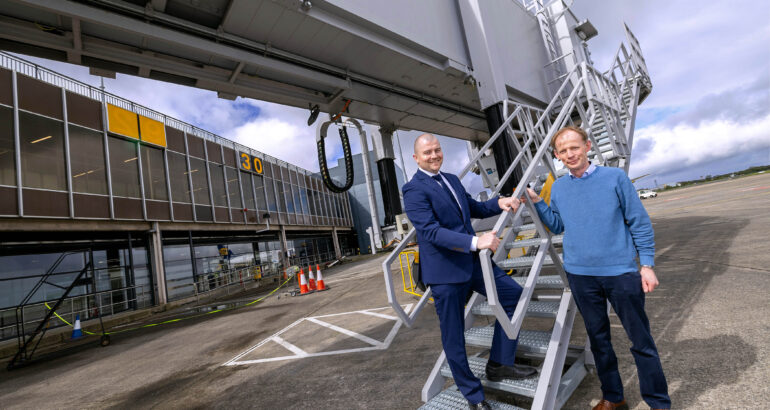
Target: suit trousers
{"x": 626, "y": 296}
{"x": 450, "y": 305}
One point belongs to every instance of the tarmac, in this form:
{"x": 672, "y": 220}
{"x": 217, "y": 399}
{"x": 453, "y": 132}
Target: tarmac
{"x": 342, "y": 348}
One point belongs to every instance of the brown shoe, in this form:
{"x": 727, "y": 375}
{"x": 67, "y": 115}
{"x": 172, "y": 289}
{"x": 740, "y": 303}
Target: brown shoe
{"x": 608, "y": 405}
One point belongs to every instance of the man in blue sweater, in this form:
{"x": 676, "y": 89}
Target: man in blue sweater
{"x": 605, "y": 228}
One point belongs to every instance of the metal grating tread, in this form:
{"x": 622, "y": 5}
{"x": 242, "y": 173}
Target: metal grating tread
{"x": 453, "y": 399}
{"x": 530, "y": 341}
{"x": 523, "y": 262}
{"x": 526, "y": 227}
{"x": 543, "y": 282}
{"x": 535, "y": 308}
{"x": 524, "y": 387}
{"x": 532, "y": 242}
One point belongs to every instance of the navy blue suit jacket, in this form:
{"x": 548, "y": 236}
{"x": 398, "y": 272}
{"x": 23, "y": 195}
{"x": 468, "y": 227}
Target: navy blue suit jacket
{"x": 444, "y": 234}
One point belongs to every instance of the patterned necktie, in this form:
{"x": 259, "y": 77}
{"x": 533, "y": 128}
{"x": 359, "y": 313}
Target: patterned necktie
{"x": 440, "y": 181}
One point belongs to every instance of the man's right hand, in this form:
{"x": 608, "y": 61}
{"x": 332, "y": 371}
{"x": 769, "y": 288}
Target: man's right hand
{"x": 533, "y": 196}
{"x": 488, "y": 240}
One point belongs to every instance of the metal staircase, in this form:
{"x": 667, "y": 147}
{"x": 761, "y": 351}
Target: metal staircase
{"x": 604, "y": 104}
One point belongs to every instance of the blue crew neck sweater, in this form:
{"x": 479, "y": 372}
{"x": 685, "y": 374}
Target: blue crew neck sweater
{"x": 605, "y": 224}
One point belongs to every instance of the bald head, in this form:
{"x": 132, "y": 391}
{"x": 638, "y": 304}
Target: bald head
{"x": 427, "y": 153}
{"x": 422, "y": 140}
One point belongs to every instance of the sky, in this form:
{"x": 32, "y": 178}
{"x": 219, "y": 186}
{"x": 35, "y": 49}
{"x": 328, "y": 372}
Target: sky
{"x": 708, "y": 113}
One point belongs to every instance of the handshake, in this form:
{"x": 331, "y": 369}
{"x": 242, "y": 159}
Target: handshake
{"x": 490, "y": 240}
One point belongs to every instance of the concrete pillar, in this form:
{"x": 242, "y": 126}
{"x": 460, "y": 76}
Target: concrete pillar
{"x": 156, "y": 255}
{"x": 336, "y": 242}
{"x": 284, "y": 247}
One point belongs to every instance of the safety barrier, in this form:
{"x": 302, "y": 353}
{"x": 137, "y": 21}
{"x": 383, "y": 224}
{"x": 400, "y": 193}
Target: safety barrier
{"x": 104, "y": 303}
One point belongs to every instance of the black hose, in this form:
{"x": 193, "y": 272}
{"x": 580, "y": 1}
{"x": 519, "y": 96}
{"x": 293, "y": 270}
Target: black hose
{"x": 348, "y": 163}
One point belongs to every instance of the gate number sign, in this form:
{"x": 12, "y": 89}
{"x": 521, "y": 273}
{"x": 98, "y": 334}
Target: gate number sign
{"x": 251, "y": 164}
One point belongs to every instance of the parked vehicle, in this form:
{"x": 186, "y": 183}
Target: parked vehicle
{"x": 646, "y": 193}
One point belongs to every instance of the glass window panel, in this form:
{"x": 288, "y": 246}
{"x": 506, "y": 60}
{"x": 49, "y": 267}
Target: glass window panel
{"x": 297, "y": 200}
{"x": 311, "y": 201}
{"x": 200, "y": 185}
{"x": 233, "y": 188}
{"x": 153, "y": 173}
{"x": 178, "y": 269}
{"x": 272, "y": 206}
{"x": 217, "y": 184}
{"x": 89, "y": 174}
{"x": 289, "y": 197}
{"x": 124, "y": 168}
{"x": 280, "y": 196}
{"x": 42, "y": 152}
{"x": 260, "y": 191}
{"x": 180, "y": 185}
{"x": 248, "y": 191}
{"x": 7, "y": 152}
{"x": 303, "y": 197}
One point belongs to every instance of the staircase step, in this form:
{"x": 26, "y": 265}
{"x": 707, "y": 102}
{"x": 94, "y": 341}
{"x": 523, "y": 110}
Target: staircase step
{"x": 523, "y": 387}
{"x": 453, "y": 399}
{"x": 532, "y": 242}
{"x": 543, "y": 282}
{"x": 530, "y": 341}
{"x": 535, "y": 308}
{"x": 523, "y": 262}
{"x": 526, "y": 227}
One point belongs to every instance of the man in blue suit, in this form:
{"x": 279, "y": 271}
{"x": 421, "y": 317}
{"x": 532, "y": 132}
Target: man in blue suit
{"x": 441, "y": 210}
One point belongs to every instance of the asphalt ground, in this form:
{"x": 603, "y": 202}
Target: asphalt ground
{"x": 709, "y": 317}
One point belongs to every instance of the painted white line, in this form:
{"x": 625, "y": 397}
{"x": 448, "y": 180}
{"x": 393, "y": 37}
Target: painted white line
{"x": 350, "y": 333}
{"x": 300, "y": 354}
{"x": 380, "y": 315}
{"x": 294, "y": 349}
{"x": 258, "y": 345}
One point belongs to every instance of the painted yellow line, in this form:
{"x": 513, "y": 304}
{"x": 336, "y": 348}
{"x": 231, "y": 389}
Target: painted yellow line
{"x": 178, "y": 319}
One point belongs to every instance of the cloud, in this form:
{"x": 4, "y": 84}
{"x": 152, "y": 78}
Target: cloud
{"x": 689, "y": 146}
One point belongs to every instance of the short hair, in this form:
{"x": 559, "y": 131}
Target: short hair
{"x": 423, "y": 137}
{"x": 564, "y": 130}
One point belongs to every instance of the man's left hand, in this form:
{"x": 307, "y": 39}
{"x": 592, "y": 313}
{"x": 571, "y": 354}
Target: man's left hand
{"x": 649, "y": 280}
{"x": 507, "y": 204}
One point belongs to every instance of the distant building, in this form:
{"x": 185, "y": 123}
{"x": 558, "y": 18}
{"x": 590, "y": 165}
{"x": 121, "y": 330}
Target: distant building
{"x": 359, "y": 202}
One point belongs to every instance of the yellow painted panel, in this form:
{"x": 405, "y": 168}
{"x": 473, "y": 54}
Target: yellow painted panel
{"x": 122, "y": 121}
{"x": 152, "y": 131}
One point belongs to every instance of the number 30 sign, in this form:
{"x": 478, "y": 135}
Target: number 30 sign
{"x": 251, "y": 164}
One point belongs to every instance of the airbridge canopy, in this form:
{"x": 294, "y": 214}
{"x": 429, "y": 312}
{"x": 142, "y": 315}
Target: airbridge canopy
{"x": 402, "y": 63}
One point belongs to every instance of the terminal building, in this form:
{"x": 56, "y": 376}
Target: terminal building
{"x": 150, "y": 206}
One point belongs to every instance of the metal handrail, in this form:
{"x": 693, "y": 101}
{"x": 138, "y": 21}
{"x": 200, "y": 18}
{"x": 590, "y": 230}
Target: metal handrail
{"x": 513, "y": 325}
{"x": 72, "y": 312}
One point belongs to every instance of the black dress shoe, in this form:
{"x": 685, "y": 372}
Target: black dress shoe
{"x": 497, "y": 372}
{"x": 480, "y": 406}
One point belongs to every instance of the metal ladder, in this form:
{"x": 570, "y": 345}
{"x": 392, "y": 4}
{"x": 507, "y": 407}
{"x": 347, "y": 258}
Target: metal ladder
{"x": 604, "y": 104}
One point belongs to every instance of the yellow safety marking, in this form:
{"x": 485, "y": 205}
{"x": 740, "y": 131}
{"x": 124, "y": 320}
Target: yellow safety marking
{"x": 178, "y": 319}
{"x": 122, "y": 121}
{"x": 152, "y": 131}
{"x": 545, "y": 193}
{"x": 412, "y": 286}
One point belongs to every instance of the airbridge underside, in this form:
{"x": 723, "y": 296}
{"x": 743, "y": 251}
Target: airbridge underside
{"x": 402, "y": 64}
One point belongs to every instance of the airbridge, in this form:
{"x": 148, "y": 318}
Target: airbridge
{"x": 431, "y": 65}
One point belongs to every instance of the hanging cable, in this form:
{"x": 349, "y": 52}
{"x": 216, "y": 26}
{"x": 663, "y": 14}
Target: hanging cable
{"x": 348, "y": 161}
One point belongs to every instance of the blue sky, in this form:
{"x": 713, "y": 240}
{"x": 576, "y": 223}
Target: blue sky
{"x": 709, "y": 111}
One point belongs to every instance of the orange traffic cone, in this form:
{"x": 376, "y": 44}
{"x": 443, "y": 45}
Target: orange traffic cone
{"x": 312, "y": 277}
{"x": 321, "y": 284}
{"x": 303, "y": 290}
